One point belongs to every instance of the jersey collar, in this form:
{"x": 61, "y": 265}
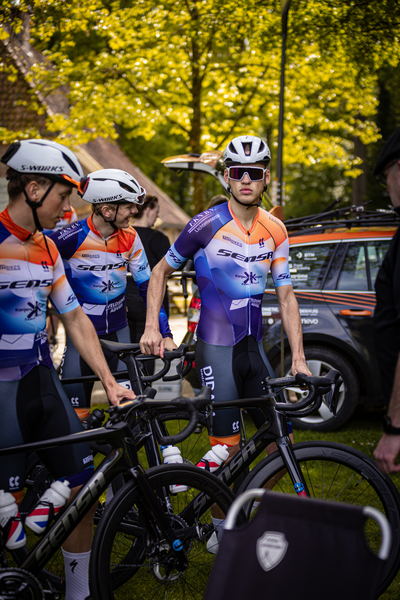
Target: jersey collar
{"x": 19, "y": 232}
{"x": 238, "y": 223}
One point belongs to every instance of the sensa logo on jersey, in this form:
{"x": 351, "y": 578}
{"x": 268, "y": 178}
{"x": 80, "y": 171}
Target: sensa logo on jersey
{"x": 247, "y": 259}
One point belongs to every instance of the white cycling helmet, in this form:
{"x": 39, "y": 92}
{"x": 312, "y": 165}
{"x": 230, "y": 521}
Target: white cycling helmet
{"x": 45, "y": 158}
{"x": 111, "y": 185}
{"x": 247, "y": 149}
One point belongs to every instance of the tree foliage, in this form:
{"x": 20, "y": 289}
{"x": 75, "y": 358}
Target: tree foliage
{"x": 201, "y": 71}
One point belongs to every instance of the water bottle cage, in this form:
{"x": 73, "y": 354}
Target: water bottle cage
{"x": 6, "y": 530}
{"x": 49, "y": 520}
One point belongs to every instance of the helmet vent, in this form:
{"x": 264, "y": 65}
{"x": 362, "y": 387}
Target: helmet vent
{"x": 247, "y": 148}
{"x": 71, "y": 164}
{"x": 127, "y": 187}
{"x": 232, "y": 148}
{"x": 262, "y": 146}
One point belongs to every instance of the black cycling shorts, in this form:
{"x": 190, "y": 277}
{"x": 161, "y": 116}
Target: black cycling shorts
{"x": 233, "y": 372}
{"x": 33, "y": 409}
{"x": 73, "y": 365}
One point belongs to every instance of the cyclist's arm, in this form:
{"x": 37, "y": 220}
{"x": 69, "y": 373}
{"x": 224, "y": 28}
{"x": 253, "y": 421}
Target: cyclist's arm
{"x": 291, "y": 320}
{"x": 387, "y": 451}
{"x": 152, "y": 341}
{"x": 86, "y": 341}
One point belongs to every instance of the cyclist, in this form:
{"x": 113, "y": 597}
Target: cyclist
{"x": 234, "y": 246}
{"x": 97, "y": 251}
{"x": 33, "y": 404}
{"x": 387, "y": 314}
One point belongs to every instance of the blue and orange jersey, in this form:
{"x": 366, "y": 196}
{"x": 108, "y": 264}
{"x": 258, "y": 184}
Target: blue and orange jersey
{"x": 29, "y": 274}
{"x": 231, "y": 266}
{"x": 96, "y": 269}
{"x": 69, "y": 217}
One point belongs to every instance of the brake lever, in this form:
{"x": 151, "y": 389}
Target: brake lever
{"x": 332, "y": 396}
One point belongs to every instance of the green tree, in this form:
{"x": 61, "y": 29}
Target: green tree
{"x": 201, "y": 71}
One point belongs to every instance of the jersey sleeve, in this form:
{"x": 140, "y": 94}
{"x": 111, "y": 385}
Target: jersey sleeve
{"x": 280, "y": 260}
{"x": 62, "y": 296}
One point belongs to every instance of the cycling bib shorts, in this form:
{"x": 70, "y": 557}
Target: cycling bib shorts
{"x": 33, "y": 409}
{"x": 73, "y": 365}
{"x": 233, "y": 372}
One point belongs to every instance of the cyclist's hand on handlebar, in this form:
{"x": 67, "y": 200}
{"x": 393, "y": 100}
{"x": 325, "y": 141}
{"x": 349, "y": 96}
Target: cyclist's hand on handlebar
{"x": 117, "y": 393}
{"x": 300, "y": 366}
{"x": 168, "y": 344}
{"x": 150, "y": 342}
{"x": 386, "y": 453}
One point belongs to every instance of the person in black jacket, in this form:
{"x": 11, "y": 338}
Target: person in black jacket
{"x": 156, "y": 245}
{"x": 387, "y": 315}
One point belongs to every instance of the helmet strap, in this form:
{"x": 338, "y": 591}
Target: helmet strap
{"x": 35, "y": 205}
{"x": 242, "y": 203}
{"x": 111, "y": 221}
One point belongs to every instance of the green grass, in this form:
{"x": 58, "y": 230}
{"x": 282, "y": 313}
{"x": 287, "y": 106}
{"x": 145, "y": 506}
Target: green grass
{"x": 362, "y": 433}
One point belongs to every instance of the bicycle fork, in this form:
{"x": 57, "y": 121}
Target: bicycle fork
{"x": 285, "y": 449}
{"x": 154, "y": 515}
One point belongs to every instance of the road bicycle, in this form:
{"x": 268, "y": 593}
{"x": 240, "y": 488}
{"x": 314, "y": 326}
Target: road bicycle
{"x": 38, "y": 478}
{"x": 323, "y": 470}
{"x": 170, "y": 530}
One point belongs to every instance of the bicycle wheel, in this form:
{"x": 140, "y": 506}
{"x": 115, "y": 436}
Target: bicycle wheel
{"x": 131, "y": 561}
{"x": 340, "y": 474}
{"x": 194, "y": 447}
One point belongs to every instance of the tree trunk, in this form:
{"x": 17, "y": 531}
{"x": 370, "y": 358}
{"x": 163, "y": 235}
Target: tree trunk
{"x": 359, "y": 185}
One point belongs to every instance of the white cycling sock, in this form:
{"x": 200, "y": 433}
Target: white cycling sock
{"x": 218, "y": 527}
{"x": 76, "y": 575}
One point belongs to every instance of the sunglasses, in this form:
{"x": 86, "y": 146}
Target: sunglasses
{"x": 253, "y": 173}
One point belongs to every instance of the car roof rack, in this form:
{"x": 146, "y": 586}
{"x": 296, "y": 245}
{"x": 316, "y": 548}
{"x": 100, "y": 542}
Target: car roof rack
{"x": 346, "y": 217}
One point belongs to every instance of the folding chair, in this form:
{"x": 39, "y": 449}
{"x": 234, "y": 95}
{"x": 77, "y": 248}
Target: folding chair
{"x": 298, "y": 548}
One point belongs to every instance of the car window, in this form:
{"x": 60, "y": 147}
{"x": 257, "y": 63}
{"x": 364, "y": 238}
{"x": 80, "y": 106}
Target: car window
{"x": 307, "y": 265}
{"x": 377, "y": 250}
{"x": 354, "y": 271}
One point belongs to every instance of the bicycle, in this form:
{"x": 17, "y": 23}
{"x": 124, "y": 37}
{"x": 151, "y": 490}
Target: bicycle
{"x": 170, "y": 531}
{"x": 324, "y": 470}
{"x": 39, "y": 479}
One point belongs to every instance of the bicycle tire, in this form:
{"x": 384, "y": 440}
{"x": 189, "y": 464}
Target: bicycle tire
{"x": 127, "y": 561}
{"x": 332, "y": 472}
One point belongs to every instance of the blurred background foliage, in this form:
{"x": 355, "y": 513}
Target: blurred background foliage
{"x": 176, "y": 76}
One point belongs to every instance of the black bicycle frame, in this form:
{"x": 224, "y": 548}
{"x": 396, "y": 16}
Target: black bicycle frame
{"x": 121, "y": 459}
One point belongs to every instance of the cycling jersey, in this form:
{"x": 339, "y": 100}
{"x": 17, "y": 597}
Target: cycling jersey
{"x": 28, "y": 276}
{"x": 96, "y": 269}
{"x": 69, "y": 217}
{"x": 231, "y": 266}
